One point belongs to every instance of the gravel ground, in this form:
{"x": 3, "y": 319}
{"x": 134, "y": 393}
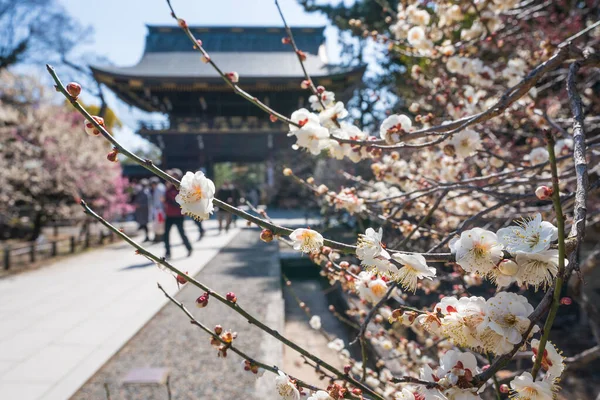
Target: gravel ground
{"x": 250, "y": 269}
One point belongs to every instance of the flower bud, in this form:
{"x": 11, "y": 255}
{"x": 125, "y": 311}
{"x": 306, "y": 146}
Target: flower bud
{"x": 320, "y": 89}
{"x": 112, "y": 156}
{"x": 74, "y": 89}
{"x": 301, "y": 55}
{"x": 286, "y": 40}
{"x": 414, "y": 108}
{"x": 90, "y": 129}
{"x": 305, "y": 84}
{"x": 449, "y": 150}
{"x": 180, "y": 279}
{"x": 199, "y": 42}
{"x": 230, "y": 296}
{"x": 233, "y": 76}
{"x": 202, "y": 301}
{"x": 273, "y": 118}
{"x": 218, "y": 329}
{"x": 287, "y": 172}
{"x": 181, "y": 22}
{"x": 508, "y": 267}
{"x": 356, "y": 392}
{"x": 266, "y": 235}
{"x": 326, "y": 250}
{"x": 566, "y": 301}
{"x": 347, "y": 369}
{"x": 205, "y": 58}
{"x": 310, "y": 180}
{"x": 504, "y": 388}
{"x": 322, "y": 189}
{"x": 344, "y": 264}
{"x": 544, "y": 192}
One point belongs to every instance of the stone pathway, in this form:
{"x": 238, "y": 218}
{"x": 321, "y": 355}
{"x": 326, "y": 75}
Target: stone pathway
{"x": 61, "y": 323}
{"x": 250, "y": 269}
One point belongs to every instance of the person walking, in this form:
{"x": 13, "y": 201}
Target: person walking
{"x": 230, "y": 195}
{"x": 142, "y": 203}
{"x": 158, "y": 209}
{"x": 174, "y": 216}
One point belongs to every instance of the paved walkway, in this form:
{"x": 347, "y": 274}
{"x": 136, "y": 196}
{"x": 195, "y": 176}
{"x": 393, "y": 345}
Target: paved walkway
{"x": 61, "y": 323}
{"x": 250, "y": 269}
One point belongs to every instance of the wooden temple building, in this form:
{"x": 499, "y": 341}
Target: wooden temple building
{"x": 207, "y": 122}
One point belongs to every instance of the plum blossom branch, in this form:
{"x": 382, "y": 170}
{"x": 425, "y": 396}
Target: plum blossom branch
{"x": 228, "y": 345}
{"x": 233, "y": 305}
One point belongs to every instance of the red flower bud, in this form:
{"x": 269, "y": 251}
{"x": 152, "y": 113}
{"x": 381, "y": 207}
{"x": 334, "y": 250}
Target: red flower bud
{"x": 112, "y": 156}
{"x": 231, "y": 297}
{"x": 180, "y": 279}
{"x": 286, "y": 40}
{"x": 273, "y": 118}
{"x": 202, "y": 301}
{"x": 301, "y": 55}
{"x": 305, "y": 84}
{"x": 347, "y": 369}
{"x": 218, "y": 329}
{"x": 320, "y": 89}
{"x": 182, "y": 23}
{"x": 566, "y": 301}
{"x": 266, "y": 235}
{"x": 504, "y": 388}
{"x": 90, "y": 129}
{"x": 74, "y": 89}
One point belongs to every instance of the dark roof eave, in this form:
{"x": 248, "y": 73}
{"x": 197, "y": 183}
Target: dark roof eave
{"x": 216, "y": 79}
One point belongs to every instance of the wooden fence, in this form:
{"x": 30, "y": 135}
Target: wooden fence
{"x": 25, "y": 253}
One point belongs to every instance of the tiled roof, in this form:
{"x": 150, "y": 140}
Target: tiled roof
{"x": 248, "y": 65}
{"x": 233, "y": 39}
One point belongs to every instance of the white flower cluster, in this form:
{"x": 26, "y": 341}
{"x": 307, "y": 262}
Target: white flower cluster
{"x": 455, "y": 372}
{"x": 480, "y": 251}
{"x": 494, "y": 326}
{"x": 347, "y": 200}
{"x": 413, "y": 267}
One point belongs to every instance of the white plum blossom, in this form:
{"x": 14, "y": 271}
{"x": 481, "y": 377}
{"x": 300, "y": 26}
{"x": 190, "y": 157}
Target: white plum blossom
{"x": 457, "y": 368}
{"x": 370, "y": 287}
{"x": 196, "y": 194}
{"x": 537, "y": 269}
{"x": 285, "y": 388}
{"x": 320, "y": 395}
{"x": 393, "y": 126}
{"x": 552, "y": 361}
{"x": 347, "y": 199}
{"x": 416, "y": 36}
{"x": 336, "y": 344}
{"x": 414, "y": 268}
{"x": 370, "y": 251}
{"x": 477, "y": 250}
{"x": 315, "y": 322}
{"x": 524, "y": 388}
{"x": 506, "y": 321}
{"x": 306, "y": 240}
{"x": 405, "y": 394}
{"x": 327, "y": 98}
{"x": 466, "y": 143}
{"x": 313, "y": 137}
{"x": 303, "y": 117}
{"x": 538, "y": 155}
{"x": 462, "y": 319}
{"x": 530, "y": 235}
{"x": 330, "y": 117}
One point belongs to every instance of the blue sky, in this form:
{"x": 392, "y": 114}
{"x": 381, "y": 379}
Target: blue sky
{"x": 120, "y": 29}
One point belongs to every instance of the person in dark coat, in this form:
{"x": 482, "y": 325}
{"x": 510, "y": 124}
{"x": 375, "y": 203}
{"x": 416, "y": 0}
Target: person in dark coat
{"x": 174, "y": 216}
{"x": 142, "y": 203}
